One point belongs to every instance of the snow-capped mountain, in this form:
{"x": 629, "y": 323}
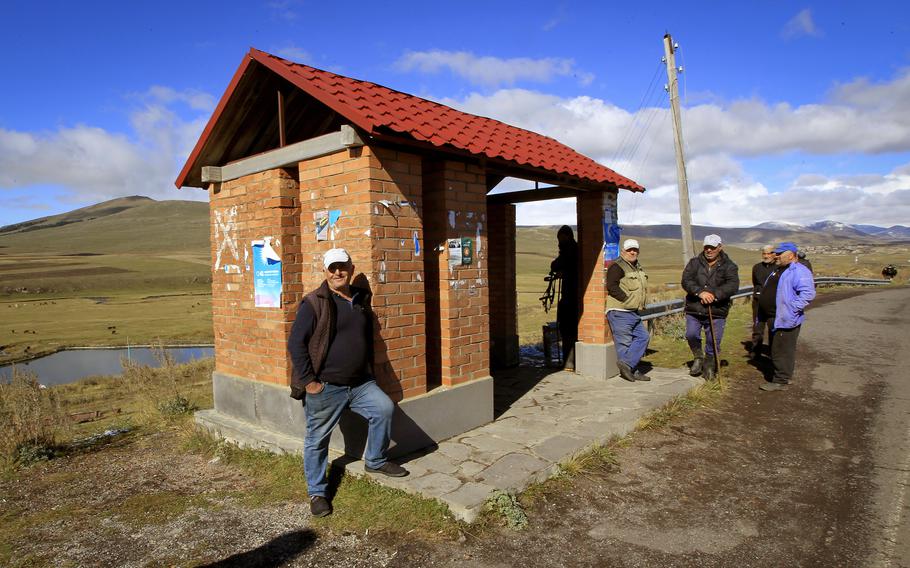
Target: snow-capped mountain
{"x": 780, "y": 226}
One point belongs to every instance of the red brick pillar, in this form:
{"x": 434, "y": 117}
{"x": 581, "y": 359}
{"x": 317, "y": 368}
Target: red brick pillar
{"x": 594, "y": 353}
{"x": 458, "y": 330}
{"x": 376, "y": 195}
{"x": 503, "y": 288}
{"x": 250, "y": 341}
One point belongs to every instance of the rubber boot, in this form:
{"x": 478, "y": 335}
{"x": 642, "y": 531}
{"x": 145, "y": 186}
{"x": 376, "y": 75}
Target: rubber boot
{"x": 698, "y": 364}
{"x": 708, "y": 372}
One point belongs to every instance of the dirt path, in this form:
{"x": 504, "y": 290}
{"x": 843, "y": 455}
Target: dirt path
{"x": 814, "y": 476}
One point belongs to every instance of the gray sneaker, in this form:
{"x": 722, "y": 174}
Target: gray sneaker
{"x": 320, "y": 506}
{"x": 388, "y": 468}
{"x": 773, "y": 387}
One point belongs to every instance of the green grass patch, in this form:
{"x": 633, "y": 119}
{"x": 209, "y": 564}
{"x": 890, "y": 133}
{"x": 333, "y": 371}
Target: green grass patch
{"x": 359, "y": 502}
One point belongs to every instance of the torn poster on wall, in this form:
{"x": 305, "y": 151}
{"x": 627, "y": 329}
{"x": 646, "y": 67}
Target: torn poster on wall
{"x": 321, "y": 220}
{"x": 454, "y": 246}
{"x": 334, "y": 215}
{"x": 266, "y": 274}
{"x": 326, "y": 224}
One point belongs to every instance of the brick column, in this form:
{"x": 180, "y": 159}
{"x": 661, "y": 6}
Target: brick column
{"x": 503, "y": 286}
{"x": 458, "y": 331}
{"x": 377, "y": 194}
{"x": 250, "y": 341}
{"x": 595, "y": 355}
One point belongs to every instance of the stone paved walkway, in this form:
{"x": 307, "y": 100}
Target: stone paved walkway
{"x": 541, "y": 420}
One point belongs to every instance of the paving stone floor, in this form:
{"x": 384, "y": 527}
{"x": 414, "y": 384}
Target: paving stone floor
{"x": 542, "y": 417}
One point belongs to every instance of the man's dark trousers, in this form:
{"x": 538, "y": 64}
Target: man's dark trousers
{"x": 758, "y": 327}
{"x": 783, "y": 353}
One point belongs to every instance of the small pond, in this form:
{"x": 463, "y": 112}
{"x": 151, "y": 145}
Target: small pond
{"x": 72, "y": 365}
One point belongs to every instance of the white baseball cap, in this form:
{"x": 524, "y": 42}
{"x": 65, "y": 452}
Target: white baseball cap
{"x": 630, "y": 244}
{"x": 713, "y": 241}
{"x": 335, "y": 255}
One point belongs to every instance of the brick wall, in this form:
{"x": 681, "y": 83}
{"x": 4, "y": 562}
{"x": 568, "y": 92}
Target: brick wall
{"x": 592, "y": 327}
{"x": 432, "y": 319}
{"x": 378, "y": 194}
{"x": 455, "y": 207}
{"x": 250, "y": 341}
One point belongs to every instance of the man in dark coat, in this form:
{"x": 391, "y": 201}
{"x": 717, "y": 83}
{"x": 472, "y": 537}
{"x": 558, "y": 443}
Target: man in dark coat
{"x": 330, "y": 347}
{"x": 566, "y": 267}
{"x": 710, "y": 280}
{"x": 760, "y": 273}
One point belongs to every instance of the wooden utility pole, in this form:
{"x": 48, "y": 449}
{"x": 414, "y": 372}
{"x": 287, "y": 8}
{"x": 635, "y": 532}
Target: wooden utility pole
{"x": 685, "y": 213}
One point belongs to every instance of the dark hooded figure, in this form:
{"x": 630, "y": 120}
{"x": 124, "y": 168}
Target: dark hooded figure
{"x": 566, "y": 267}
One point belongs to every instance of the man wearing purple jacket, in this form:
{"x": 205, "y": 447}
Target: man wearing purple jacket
{"x": 785, "y": 295}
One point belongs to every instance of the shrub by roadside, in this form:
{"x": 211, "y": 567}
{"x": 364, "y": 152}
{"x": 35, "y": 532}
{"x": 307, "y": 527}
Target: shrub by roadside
{"x": 32, "y": 421}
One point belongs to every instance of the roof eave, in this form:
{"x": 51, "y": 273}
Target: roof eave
{"x": 213, "y": 120}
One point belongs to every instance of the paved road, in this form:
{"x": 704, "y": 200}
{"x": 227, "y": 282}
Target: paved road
{"x": 861, "y": 347}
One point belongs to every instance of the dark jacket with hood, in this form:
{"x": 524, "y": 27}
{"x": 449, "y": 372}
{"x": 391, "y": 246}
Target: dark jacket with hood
{"x": 722, "y": 280}
{"x": 314, "y": 331}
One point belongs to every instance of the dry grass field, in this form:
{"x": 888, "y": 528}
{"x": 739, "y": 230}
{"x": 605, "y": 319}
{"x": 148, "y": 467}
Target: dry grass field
{"x": 136, "y": 275}
{"x": 662, "y": 258}
{"x": 138, "y": 271}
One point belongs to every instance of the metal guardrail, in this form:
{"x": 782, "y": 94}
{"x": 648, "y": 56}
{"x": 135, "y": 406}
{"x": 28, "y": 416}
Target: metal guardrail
{"x": 668, "y": 307}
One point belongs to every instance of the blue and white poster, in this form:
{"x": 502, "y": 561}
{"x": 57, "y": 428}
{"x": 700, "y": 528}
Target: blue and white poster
{"x": 612, "y": 230}
{"x": 611, "y": 242}
{"x": 266, "y": 274}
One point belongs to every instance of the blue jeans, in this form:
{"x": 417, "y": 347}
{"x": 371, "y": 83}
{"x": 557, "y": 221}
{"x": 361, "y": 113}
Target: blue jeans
{"x": 323, "y": 411}
{"x": 694, "y": 326}
{"x": 629, "y": 336}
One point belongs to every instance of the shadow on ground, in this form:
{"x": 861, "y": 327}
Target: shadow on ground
{"x": 276, "y": 552}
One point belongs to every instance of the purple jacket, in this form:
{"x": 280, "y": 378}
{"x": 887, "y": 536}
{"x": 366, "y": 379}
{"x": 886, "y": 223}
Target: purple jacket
{"x": 795, "y": 290}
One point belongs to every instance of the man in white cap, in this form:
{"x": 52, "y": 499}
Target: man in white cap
{"x": 710, "y": 280}
{"x": 627, "y": 286}
{"x": 331, "y": 348}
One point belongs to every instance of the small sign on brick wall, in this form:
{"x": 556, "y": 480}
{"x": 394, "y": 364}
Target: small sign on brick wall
{"x": 266, "y": 274}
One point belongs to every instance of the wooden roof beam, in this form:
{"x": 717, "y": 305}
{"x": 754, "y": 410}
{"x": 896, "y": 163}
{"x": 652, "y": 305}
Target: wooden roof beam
{"x": 529, "y": 195}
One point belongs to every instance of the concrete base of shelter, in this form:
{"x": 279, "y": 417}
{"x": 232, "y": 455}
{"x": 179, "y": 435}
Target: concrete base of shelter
{"x": 262, "y": 415}
{"x": 596, "y": 360}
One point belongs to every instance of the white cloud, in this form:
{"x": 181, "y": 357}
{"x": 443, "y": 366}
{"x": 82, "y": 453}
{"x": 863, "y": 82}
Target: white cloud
{"x": 859, "y": 118}
{"x": 285, "y": 9}
{"x": 92, "y": 164}
{"x": 492, "y": 71}
{"x": 801, "y": 25}
{"x": 196, "y": 100}
{"x": 293, "y": 53}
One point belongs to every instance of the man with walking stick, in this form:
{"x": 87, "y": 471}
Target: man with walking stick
{"x": 710, "y": 280}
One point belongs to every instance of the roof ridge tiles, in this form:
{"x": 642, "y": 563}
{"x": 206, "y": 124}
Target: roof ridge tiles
{"x": 373, "y": 107}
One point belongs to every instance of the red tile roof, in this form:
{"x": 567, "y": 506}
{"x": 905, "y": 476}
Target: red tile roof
{"x": 373, "y": 107}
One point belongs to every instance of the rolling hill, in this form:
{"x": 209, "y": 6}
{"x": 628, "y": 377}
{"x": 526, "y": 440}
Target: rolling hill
{"x": 125, "y": 225}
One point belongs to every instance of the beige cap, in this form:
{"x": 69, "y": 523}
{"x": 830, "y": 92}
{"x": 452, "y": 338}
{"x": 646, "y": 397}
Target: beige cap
{"x": 630, "y": 244}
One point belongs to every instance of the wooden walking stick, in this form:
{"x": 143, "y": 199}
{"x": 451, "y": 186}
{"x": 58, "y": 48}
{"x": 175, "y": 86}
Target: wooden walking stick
{"x": 714, "y": 343}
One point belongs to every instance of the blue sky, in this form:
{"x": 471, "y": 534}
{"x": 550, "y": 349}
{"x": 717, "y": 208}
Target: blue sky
{"x": 793, "y": 111}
